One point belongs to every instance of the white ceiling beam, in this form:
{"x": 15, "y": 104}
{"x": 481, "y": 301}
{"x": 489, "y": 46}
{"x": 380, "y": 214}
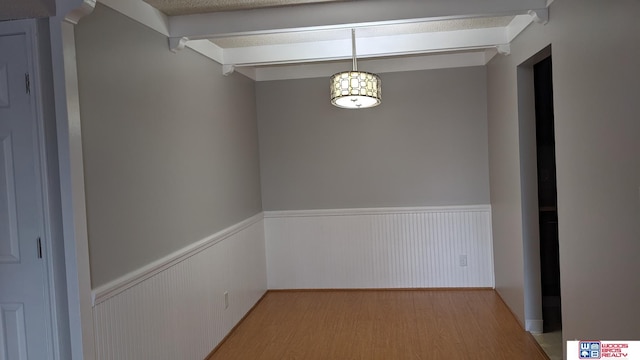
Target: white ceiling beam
{"x": 141, "y": 12}
{"x": 517, "y": 25}
{"x": 207, "y": 48}
{"x": 339, "y": 15}
{"x": 367, "y": 47}
{"x": 378, "y": 66}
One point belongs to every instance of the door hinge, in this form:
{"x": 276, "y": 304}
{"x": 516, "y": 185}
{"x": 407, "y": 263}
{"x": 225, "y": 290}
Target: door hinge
{"x": 39, "y": 248}
{"x": 27, "y": 83}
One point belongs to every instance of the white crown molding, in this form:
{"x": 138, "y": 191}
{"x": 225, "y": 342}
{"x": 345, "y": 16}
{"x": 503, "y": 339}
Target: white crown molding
{"x": 133, "y": 278}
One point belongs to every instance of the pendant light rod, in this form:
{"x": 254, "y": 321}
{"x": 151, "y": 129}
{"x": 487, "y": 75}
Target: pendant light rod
{"x": 353, "y": 49}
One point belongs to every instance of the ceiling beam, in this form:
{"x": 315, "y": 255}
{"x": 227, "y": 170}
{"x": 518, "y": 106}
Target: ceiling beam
{"x": 378, "y": 66}
{"x": 141, "y": 12}
{"x": 367, "y": 47}
{"x": 338, "y": 15}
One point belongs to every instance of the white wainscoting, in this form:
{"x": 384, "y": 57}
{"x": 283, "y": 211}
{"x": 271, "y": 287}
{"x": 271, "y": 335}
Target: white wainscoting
{"x": 379, "y": 248}
{"x": 175, "y": 307}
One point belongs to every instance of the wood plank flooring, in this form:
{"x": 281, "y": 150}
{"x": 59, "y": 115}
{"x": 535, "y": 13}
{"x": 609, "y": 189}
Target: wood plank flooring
{"x": 412, "y": 324}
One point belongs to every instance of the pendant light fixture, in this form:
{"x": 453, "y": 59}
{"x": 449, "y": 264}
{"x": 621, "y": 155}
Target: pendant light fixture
{"x": 355, "y": 89}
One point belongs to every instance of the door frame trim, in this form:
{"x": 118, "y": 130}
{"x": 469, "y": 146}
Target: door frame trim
{"x": 28, "y": 28}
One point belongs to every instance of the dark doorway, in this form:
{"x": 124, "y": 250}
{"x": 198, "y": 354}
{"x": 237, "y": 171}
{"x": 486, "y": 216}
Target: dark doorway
{"x": 547, "y": 199}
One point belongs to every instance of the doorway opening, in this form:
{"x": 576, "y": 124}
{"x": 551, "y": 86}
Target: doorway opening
{"x": 547, "y": 196}
{"x": 542, "y": 302}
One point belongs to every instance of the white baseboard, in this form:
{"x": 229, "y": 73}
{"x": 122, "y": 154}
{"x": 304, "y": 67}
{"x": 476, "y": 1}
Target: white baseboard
{"x": 534, "y": 326}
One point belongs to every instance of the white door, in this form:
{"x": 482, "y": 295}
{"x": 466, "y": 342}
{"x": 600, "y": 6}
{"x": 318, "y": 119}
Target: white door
{"x": 24, "y": 309}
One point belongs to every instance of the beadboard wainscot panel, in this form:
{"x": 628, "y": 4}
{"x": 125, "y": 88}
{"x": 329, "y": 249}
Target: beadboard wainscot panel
{"x": 175, "y": 307}
{"x": 379, "y": 248}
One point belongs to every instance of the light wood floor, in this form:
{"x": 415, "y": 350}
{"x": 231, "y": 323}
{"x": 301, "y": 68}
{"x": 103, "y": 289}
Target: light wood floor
{"x": 414, "y": 324}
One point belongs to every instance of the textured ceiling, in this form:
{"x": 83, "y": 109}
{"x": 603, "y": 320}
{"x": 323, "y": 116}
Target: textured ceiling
{"x": 21, "y": 9}
{"x": 383, "y": 30}
{"x": 186, "y": 7}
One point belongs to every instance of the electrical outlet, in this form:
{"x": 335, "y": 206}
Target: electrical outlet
{"x": 463, "y": 260}
{"x": 226, "y": 299}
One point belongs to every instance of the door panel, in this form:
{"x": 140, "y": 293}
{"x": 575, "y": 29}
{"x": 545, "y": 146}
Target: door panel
{"x": 24, "y": 306}
{"x": 4, "y": 86}
{"x": 9, "y": 249}
{"x": 13, "y": 344}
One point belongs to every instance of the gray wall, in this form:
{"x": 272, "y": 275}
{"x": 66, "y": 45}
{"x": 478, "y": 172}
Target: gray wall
{"x": 595, "y": 74}
{"x": 170, "y": 145}
{"x": 426, "y": 144}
